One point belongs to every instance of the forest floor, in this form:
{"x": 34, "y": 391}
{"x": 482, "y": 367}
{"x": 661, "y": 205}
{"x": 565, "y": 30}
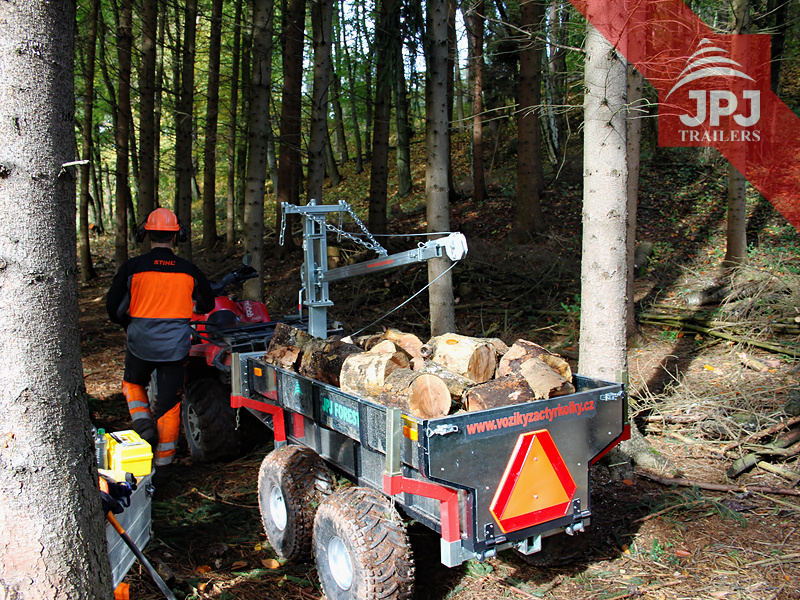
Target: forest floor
{"x": 693, "y": 396}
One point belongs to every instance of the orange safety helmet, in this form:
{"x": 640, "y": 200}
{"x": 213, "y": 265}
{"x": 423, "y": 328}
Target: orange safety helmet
{"x": 162, "y": 219}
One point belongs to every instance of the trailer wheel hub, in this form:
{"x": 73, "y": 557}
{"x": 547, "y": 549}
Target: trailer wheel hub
{"x": 277, "y": 508}
{"x": 340, "y": 564}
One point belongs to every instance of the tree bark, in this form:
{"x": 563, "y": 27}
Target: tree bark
{"x": 146, "y": 197}
{"x": 322, "y": 28}
{"x": 604, "y": 266}
{"x": 257, "y": 153}
{"x": 184, "y": 129}
{"x": 403, "y": 155}
{"x": 379, "y": 173}
{"x": 634, "y": 118}
{"x": 353, "y": 108}
{"x": 478, "y": 177}
{"x": 87, "y": 268}
{"x": 52, "y": 544}
{"x": 230, "y": 205}
{"x": 212, "y": 115}
{"x": 289, "y": 167}
{"x": 530, "y": 178}
{"x": 437, "y": 160}
{"x": 123, "y": 193}
{"x": 736, "y": 246}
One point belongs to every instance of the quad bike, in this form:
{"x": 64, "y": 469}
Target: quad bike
{"x": 211, "y": 425}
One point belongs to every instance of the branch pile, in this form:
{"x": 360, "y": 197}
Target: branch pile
{"x": 450, "y": 372}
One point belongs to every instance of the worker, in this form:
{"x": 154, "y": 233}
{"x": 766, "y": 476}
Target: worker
{"x": 151, "y": 298}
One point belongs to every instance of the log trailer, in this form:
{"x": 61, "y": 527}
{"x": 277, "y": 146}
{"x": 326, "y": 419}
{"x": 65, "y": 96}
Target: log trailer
{"x": 511, "y": 477}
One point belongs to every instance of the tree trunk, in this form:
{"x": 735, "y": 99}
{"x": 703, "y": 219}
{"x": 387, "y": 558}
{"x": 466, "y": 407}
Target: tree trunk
{"x": 257, "y": 152}
{"x": 321, "y": 25}
{"x": 604, "y": 266}
{"x": 530, "y": 179}
{"x": 230, "y": 205}
{"x": 289, "y": 166}
{"x": 158, "y": 105}
{"x": 241, "y": 150}
{"x": 778, "y": 43}
{"x": 459, "y": 98}
{"x": 146, "y": 197}
{"x": 634, "y": 118}
{"x": 52, "y": 544}
{"x": 437, "y": 150}
{"x": 331, "y": 168}
{"x": 379, "y": 174}
{"x": 353, "y": 108}
{"x": 403, "y": 155}
{"x": 736, "y": 246}
{"x": 212, "y": 114}
{"x": 478, "y": 179}
{"x": 183, "y": 135}
{"x": 123, "y": 194}
{"x": 338, "y": 115}
{"x": 87, "y": 268}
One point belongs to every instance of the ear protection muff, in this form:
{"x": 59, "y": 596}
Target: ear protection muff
{"x": 141, "y": 232}
{"x": 183, "y": 235}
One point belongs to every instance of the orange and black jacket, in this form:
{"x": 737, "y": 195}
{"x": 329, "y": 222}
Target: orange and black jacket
{"x": 151, "y": 296}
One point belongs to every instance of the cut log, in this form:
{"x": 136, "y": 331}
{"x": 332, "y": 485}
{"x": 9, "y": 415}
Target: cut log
{"x": 365, "y": 374}
{"x": 386, "y": 346}
{"x": 544, "y": 380}
{"x": 407, "y": 341}
{"x": 456, "y": 384}
{"x": 473, "y": 358}
{"x": 522, "y": 350}
{"x": 420, "y": 394}
{"x": 285, "y": 357}
{"x": 323, "y": 360}
{"x": 286, "y": 335}
{"x": 368, "y": 341}
{"x": 504, "y": 391}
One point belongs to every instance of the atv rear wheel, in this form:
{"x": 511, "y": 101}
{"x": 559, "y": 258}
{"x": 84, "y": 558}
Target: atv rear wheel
{"x": 209, "y": 422}
{"x": 361, "y": 548}
{"x": 292, "y": 482}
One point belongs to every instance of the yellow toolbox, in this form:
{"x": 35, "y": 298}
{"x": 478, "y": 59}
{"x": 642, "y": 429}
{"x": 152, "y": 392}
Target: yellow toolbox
{"x": 127, "y": 451}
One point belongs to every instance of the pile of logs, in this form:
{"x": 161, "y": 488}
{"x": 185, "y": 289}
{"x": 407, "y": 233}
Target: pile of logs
{"x": 448, "y": 373}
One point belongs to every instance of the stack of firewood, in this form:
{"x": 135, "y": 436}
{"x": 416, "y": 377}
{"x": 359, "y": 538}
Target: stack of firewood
{"x": 449, "y": 373}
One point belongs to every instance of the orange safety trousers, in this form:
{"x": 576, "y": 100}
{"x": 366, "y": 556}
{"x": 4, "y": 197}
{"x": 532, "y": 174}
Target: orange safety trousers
{"x": 168, "y": 424}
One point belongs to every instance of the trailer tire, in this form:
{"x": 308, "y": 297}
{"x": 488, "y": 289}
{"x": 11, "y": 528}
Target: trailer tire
{"x": 292, "y": 482}
{"x": 361, "y": 548}
{"x": 558, "y": 549}
{"x": 209, "y": 422}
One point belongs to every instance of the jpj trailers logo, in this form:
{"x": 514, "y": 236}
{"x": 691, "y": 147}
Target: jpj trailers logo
{"x": 716, "y": 99}
{"x": 713, "y": 90}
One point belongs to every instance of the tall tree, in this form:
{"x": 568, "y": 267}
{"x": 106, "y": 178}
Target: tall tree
{"x": 437, "y": 146}
{"x": 212, "y": 114}
{"x": 634, "y": 118}
{"x": 51, "y": 544}
{"x": 351, "y": 79}
{"x": 478, "y": 176}
{"x": 603, "y": 349}
{"x": 257, "y": 153}
{"x": 530, "y": 178}
{"x": 184, "y": 166}
{"x": 321, "y": 27}
{"x": 146, "y": 197}
{"x": 379, "y": 172}
{"x": 403, "y": 154}
{"x": 87, "y": 268}
{"x": 123, "y": 125}
{"x": 736, "y": 248}
{"x": 230, "y": 215}
{"x": 289, "y": 167}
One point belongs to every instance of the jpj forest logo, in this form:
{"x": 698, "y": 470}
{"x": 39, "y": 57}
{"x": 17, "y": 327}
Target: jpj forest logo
{"x": 716, "y": 98}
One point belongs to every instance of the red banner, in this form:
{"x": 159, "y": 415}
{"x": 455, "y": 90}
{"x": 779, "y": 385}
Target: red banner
{"x": 713, "y": 90}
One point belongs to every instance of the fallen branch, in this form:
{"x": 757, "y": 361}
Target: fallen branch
{"x": 763, "y": 433}
{"x": 221, "y": 501}
{"x": 792, "y": 476}
{"x": 717, "y": 487}
{"x": 675, "y": 419}
{"x": 770, "y": 561}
